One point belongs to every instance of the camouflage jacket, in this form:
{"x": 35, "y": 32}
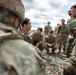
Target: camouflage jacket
{"x": 72, "y": 24}
{"x": 47, "y": 28}
{"x": 50, "y": 40}
{"x": 62, "y": 29}
{"x": 36, "y": 38}
{"x": 18, "y": 54}
{"x": 74, "y": 47}
{"x": 26, "y": 37}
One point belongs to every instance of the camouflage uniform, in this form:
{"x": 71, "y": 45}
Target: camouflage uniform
{"x": 56, "y": 35}
{"x": 69, "y": 40}
{"x": 25, "y": 28}
{"x": 27, "y": 38}
{"x": 70, "y": 64}
{"x": 17, "y": 57}
{"x": 15, "y": 45}
{"x": 62, "y": 33}
{"x": 50, "y": 40}
{"x": 69, "y": 47}
{"x": 36, "y": 38}
{"x": 70, "y": 37}
{"x": 46, "y": 29}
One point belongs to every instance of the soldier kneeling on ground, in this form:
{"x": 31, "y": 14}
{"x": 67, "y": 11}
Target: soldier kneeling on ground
{"x": 50, "y": 42}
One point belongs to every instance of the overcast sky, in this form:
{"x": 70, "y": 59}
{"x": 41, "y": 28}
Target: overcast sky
{"x": 42, "y": 11}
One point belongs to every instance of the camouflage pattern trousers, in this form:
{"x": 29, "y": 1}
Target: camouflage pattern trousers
{"x": 62, "y": 40}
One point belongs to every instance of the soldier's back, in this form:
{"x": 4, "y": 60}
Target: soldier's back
{"x": 17, "y": 55}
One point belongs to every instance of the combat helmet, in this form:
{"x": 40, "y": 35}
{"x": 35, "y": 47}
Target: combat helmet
{"x": 14, "y": 6}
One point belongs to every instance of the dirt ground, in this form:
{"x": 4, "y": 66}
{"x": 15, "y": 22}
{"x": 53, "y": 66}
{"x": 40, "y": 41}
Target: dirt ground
{"x": 55, "y": 61}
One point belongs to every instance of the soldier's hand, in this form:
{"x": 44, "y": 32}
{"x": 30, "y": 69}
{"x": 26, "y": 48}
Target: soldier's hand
{"x": 50, "y": 45}
{"x": 37, "y": 45}
{"x": 39, "y": 52}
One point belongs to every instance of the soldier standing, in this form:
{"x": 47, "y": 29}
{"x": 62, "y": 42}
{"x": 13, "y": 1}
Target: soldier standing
{"x": 56, "y": 31}
{"x": 70, "y": 37}
{"x": 62, "y": 33}
{"x": 70, "y": 64}
{"x": 47, "y": 28}
{"x": 16, "y": 55}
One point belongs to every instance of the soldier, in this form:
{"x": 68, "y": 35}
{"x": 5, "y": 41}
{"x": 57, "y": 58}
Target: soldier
{"x": 70, "y": 37}
{"x": 70, "y": 64}
{"x": 62, "y": 33}
{"x": 17, "y": 57}
{"x": 50, "y": 41}
{"x": 56, "y": 31}
{"x": 26, "y": 26}
{"x": 47, "y": 28}
{"x": 37, "y": 40}
{"x": 37, "y": 36}
{"x": 70, "y": 14}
